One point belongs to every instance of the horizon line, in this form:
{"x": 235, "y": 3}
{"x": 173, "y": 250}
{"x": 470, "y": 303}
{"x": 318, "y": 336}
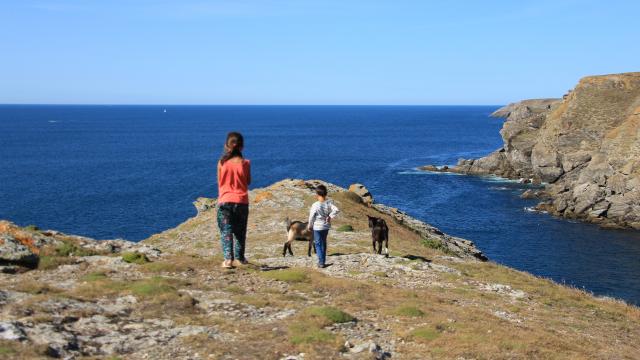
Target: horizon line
{"x": 156, "y": 104}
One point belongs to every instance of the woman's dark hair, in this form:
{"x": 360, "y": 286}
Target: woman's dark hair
{"x": 232, "y": 146}
{"x": 321, "y": 190}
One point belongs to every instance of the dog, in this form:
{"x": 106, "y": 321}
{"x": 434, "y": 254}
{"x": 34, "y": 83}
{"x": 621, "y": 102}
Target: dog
{"x": 297, "y": 230}
{"x": 379, "y": 234}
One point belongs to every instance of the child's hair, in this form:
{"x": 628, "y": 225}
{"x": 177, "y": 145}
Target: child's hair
{"x": 232, "y": 146}
{"x": 321, "y": 190}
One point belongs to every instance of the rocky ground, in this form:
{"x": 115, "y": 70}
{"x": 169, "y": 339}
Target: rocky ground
{"x": 585, "y": 147}
{"x": 167, "y": 297}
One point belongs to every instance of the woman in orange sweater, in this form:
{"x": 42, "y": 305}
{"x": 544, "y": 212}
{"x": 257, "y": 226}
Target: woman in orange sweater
{"x": 234, "y": 177}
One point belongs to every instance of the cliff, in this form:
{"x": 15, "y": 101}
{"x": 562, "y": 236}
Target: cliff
{"x": 72, "y": 297}
{"x": 584, "y": 147}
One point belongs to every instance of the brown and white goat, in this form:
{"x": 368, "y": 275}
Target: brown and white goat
{"x": 298, "y": 230}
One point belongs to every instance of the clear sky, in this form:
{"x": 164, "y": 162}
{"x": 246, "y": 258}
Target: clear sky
{"x": 309, "y": 52}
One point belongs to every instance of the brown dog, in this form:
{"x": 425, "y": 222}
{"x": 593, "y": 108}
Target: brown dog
{"x": 297, "y": 230}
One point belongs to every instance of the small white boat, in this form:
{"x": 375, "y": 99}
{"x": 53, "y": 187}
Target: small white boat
{"x": 165, "y": 110}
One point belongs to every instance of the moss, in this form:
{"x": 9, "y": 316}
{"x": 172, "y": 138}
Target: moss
{"x": 380, "y": 274}
{"x": 288, "y": 275}
{"x": 409, "y": 311}
{"x": 345, "y": 228}
{"x": 135, "y": 258}
{"x": 331, "y": 314}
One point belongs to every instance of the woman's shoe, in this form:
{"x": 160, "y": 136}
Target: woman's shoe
{"x": 227, "y": 264}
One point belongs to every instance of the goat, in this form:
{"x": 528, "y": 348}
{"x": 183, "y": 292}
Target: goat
{"x": 379, "y": 234}
{"x": 297, "y": 230}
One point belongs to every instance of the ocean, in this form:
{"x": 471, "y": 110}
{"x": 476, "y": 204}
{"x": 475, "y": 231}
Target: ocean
{"x": 132, "y": 171}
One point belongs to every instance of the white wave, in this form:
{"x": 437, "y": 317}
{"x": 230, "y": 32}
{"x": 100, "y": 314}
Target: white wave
{"x": 53, "y": 121}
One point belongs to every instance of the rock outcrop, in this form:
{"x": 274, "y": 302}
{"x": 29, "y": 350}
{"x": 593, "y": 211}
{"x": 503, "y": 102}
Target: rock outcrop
{"x": 584, "y": 147}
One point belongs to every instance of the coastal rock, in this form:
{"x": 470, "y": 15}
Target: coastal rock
{"x": 13, "y": 252}
{"x": 203, "y": 204}
{"x": 362, "y": 192}
{"x": 587, "y": 144}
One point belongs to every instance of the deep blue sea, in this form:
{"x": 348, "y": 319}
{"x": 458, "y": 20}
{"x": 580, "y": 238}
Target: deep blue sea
{"x": 132, "y": 171}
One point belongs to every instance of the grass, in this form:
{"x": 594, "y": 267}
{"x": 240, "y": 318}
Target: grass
{"x": 331, "y": 314}
{"x": 49, "y": 262}
{"x": 301, "y": 333}
{"x": 68, "y": 248}
{"x": 31, "y": 228}
{"x": 6, "y": 350}
{"x": 36, "y": 287}
{"x": 135, "y": 258}
{"x": 234, "y": 289}
{"x": 409, "y": 311}
{"x": 292, "y": 275}
{"x": 425, "y": 333}
{"x": 345, "y": 228}
{"x": 153, "y": 286}
{"x": 94, "y": 276}
{"x": 437, "y": 244}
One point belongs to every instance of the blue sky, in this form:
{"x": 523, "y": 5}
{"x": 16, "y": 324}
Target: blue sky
{"x": 309, "y": 52}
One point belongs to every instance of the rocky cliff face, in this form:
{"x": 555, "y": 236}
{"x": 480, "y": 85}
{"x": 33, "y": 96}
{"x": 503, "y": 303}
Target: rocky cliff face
{"x": 585, "y": 147}
{"x": 64, "y": 296}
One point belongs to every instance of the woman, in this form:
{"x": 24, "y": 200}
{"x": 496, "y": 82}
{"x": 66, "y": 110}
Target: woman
{"x": 234, "y": 177}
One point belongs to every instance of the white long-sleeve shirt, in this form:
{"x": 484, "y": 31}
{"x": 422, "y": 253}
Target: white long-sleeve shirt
{"x": 320, "y": 214}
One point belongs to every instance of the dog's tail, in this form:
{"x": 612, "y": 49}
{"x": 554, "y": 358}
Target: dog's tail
{"x": 288, "y": 221}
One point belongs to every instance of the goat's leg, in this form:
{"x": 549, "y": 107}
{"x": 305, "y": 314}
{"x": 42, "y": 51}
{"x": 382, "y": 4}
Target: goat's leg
{"x": 386, "y": 247}
{"x": 289, "y": 247}
{"x": 373, "y": 243}
{"x": 284, "y": 250}
{"x": 379, "y": 246}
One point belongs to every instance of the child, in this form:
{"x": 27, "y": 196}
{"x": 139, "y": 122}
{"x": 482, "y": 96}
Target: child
{"x": 234, "y": 177}
{"x": 320, "y": 216}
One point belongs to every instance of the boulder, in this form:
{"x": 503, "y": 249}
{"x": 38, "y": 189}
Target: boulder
{"x": 362, "y": 192}
{"x": 13, "y": 252}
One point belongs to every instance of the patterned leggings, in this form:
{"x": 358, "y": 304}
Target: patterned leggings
{"x": 232, "y": 222}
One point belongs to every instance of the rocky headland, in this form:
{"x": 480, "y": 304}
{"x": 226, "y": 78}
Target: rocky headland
{"x": 584, "y": 148}
{"x": 435, "y": 296}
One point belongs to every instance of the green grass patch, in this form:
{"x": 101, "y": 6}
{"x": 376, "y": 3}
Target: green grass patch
{"x": 425, "y": 333}
{"x": 153, "y": 286}
{"x": 345, "y": 228}
{"x": 301, "y": 333}
{"x": 94, "y": 276}
{"x": 380, "y": 274}
{"x": 287, "y": 275}
{"x": 135, "y": 258}
{"x": 330, "y": 314}
{"x": 409, "y": 311}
